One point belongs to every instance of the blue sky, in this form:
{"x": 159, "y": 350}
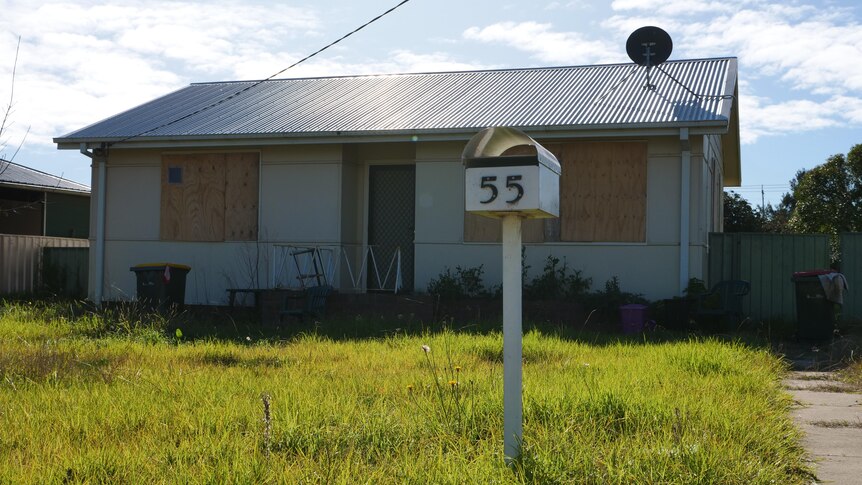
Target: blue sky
{"x": 82, "y": 61}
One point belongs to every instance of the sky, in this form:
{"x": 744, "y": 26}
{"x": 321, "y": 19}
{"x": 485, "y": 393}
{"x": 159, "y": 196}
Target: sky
{"x": 800, "y": 62}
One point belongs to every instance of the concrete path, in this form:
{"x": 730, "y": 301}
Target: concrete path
{"x": 830, "y": 415}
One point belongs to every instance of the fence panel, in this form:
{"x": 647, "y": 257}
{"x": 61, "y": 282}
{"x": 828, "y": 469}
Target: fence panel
{"x": 21, "y": 259}
{"x": 65, "y": 271}
{"x": 767, "y": 261}
{"x": 851, "y": 266}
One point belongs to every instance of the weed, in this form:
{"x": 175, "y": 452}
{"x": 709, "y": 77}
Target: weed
{"x": 557, "y": 283}
{"x": 838, "y": 424}
{"x": 463, "y": 283}
{"x": 267, "y": 424}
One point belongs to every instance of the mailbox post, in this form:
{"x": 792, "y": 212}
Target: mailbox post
{"x": 510, "y": 176}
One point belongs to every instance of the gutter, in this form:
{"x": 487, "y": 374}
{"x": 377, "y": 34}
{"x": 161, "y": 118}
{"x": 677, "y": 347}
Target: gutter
{"x": 366, "y": 136}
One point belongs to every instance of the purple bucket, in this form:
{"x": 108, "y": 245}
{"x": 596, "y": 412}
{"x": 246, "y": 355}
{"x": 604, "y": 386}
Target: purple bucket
{"x": 633, "y": 318}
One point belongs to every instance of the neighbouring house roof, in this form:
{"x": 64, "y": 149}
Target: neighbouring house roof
{"x": 698, "y": 94}
{"x": 21, "y": 177}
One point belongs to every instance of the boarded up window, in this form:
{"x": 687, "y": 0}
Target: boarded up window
{"x": 215, "y": 199}
{"x": 484, "y": 229}
{"x": 602, "y": 191}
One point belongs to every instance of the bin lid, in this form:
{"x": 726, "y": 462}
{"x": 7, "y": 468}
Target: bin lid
{"x": 158, "y": 266}
{"x": 813, "y": 272}
{"x": 633, "y": 306}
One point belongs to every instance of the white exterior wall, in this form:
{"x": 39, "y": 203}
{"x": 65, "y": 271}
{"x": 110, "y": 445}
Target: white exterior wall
{"x": 300, "y": 194}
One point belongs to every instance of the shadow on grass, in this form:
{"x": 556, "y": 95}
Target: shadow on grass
{"x": 243, "y": 325}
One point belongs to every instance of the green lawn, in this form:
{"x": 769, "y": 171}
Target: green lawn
{"x": 83, "y": 401}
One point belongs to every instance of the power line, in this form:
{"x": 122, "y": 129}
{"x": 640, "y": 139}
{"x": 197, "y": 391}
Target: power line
{"x": 258, "y": 83}
{"x": 696, "y": 95}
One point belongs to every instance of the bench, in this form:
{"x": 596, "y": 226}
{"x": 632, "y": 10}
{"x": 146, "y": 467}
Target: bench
{"x": 254, "y": 291}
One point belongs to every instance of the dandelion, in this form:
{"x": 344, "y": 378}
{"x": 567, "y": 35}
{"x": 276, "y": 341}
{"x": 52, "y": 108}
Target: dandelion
{"x": 453, "y": 383}
{"x": 457, "y": 369}
{"x": 426, "y": 348}
{"x": 410, "y": 388}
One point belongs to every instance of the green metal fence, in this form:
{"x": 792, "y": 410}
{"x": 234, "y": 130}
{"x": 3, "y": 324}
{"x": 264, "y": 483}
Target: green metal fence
{"x": 767, "y": 261}
{"x": 851, "y": 266}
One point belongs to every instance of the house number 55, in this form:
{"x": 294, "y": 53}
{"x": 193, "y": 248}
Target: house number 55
{"x": 511, "y": 184}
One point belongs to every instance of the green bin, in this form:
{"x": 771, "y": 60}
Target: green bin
{"x": 161, "y": 285}
{"x": 815, "y": 314}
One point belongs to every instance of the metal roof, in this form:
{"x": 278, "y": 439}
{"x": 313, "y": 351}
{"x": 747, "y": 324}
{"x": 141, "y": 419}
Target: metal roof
{"x": 19, "y": 176}
{"x": 580, "y": 97}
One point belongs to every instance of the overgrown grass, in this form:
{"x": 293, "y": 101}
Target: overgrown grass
{"x": 86, "y": 400}
{"x": 852, "y": 374}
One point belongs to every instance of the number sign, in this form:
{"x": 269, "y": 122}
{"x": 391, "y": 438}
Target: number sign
{"x": 501, "y": 188}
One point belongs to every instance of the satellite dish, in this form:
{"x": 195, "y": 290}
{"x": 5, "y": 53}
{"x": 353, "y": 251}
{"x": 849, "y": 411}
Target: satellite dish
{"x": 649, "y": 46}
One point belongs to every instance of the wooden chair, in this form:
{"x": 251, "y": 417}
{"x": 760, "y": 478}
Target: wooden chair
{"x": 313, "y": 304}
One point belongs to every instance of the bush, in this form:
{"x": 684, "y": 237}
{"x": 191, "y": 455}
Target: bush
{"x": 463, "y": 283}
{"x": 556, "y": 283}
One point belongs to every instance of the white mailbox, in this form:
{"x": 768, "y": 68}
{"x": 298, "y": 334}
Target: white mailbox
{"x": 508, "y": 172}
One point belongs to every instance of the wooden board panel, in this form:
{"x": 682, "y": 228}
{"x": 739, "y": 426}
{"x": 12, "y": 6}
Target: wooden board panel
{"x": 481, "y": 229}
{"x": 171, "y": 214}
{"x": 241, "y": 196}
{"x": 602, "y": 191}
{"x": 194, "y": 209}
{"x": 484, "y": 229}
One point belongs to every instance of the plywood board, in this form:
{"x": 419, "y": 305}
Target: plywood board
{"x": 485, "y": 229}
{"x": 602, "y": 191}
{"x": 241, "y": 196}
{"x": 194, "y": 209}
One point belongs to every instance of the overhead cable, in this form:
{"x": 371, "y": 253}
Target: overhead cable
{"x": 257, "y": 83}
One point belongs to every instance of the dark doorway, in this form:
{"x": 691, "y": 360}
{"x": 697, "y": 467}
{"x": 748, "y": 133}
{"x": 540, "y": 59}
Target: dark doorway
{"x": 391, "y": 222}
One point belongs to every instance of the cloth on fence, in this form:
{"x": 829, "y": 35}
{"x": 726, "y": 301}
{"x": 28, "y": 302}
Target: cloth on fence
{"x": 834, "y": 285}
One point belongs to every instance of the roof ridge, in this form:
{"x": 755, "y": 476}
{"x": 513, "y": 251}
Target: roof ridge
{"x": 469, "y": 71}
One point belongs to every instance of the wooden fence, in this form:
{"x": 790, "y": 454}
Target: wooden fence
{"x": 21, "y": 260}
{"x": 767, "y": 261}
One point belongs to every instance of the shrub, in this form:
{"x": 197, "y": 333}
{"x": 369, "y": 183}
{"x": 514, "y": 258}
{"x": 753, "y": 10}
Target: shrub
{"x": 557, "y": 283}
{"x": 463, "y": 283}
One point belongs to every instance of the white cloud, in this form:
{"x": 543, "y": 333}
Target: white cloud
{"x": 665, "y": 8}
{"x": 81, "y": 62}
{"x": 547, "y": 45}
{"x": 761, "y": 117}
{"x": 572, "y": 5}
{"x": 813, "y": 52}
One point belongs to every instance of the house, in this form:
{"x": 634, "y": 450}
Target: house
{"x": 224, "y": 176}
{"x": 35, "y": 203}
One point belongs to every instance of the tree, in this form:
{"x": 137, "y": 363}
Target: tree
{"x": 6, "y": 121}
{"x": 777, "y": 218}
{"x": 828, "y": 198}
{"x": 739, "y": 216}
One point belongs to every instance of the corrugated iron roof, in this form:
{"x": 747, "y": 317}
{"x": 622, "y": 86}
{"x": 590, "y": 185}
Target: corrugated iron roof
{"x": 573, "y": 97}
{"x": 13, "y": 174}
